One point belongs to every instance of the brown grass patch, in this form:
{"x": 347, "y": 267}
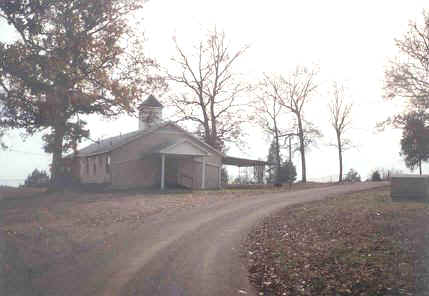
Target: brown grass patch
{"x": 359, "y": 244}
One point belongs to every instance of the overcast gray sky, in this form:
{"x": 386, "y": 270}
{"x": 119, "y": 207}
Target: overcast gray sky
{"x": 350, "y": 41}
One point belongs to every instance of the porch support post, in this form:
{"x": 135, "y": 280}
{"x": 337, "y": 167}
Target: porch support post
{"x": 162, "y": 171}
{"x": 203, "y": 178}
{"x": 263, "y": 173}
{"x": 220, "y": 176}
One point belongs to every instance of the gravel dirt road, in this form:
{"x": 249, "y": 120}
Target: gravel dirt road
{"x": 136, "y": 244}
{"x": 197, "y": 251}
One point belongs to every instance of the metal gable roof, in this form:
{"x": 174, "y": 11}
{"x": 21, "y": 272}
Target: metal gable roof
{"x": 112, "y": 143}
{"x": 108, "y": 144}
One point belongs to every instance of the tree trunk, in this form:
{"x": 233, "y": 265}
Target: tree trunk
{"x": 420, "y": 166}
{"x": 207, "y": 130}
{"x": 277, "y": 172}
{"x": 340, "y": 157}
{"x": 57, "y": 166}
{"x": 302, "y": 149}
{"x": 213, "y": 125}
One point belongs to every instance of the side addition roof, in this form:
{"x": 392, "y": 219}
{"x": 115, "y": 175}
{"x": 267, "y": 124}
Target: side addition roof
{"x": 243, "y": 162}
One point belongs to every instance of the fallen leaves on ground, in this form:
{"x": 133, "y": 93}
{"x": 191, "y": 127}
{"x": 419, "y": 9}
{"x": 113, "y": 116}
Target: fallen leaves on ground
{"x": 359, "y": 244}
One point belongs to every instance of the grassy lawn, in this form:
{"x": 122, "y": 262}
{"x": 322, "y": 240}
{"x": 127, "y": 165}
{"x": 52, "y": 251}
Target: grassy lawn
{"x": 359, "y": 244}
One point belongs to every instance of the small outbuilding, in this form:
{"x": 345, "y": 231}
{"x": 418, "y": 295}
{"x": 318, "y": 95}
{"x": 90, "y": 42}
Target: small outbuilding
{"x": 410, "y": 187}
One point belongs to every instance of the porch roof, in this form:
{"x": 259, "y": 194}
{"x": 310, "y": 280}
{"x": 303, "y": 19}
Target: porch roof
{"x": 182, "y": 147}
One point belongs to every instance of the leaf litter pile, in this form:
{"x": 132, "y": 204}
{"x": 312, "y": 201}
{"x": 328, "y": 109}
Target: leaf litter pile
{"x": 359, "y": 244}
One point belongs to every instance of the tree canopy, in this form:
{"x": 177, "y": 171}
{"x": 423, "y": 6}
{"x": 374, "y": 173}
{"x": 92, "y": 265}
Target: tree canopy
{"x": 208, "y": 89}
{"x": 293, "y": 92}
{"x": 415, "y": 140}
{"x": 407, "y": 75}
{"x": 73, "y": 58}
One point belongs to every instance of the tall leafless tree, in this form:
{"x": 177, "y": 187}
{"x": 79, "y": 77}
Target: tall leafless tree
{"x": 293, "y": 93}
{"x": 408, "y": 75}
{"x": 340, "y": 119}
{"x": 209, "y": 89}
{"x": 268, "y": 114}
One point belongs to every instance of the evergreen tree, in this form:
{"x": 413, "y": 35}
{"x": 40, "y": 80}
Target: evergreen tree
{"x": 274, "y": 162}
{"x": 287, "y": 173}
{"x": 37, "y": 179}
{"x": 352, "y": 176}
{"x": 376, "y": 177}
{"x": 415, "y": 140}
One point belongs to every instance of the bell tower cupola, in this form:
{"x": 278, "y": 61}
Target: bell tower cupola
{"x": 150, "y": 113}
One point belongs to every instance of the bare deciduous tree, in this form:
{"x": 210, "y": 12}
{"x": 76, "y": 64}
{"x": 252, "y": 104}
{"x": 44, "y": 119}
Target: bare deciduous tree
{"x": 407, "y": 75}
{"x": 340, "y": 119}
{"x": 293, "y": 92}
{"x": 210, "y": 89}
{"x": 268, "y": 114}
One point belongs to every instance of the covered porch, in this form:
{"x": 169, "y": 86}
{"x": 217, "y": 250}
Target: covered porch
{"x": 187, "y": 165}
{"x": 183, "y": 164}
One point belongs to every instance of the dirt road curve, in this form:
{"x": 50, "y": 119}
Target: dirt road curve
{"x": 196, "y": 251}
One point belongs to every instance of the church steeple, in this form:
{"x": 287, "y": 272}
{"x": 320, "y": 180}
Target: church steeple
{"x": 150, "y": 113}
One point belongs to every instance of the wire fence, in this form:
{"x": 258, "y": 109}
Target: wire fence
{"x": 325, "y": 179}
{"x": 28, "y": 153}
